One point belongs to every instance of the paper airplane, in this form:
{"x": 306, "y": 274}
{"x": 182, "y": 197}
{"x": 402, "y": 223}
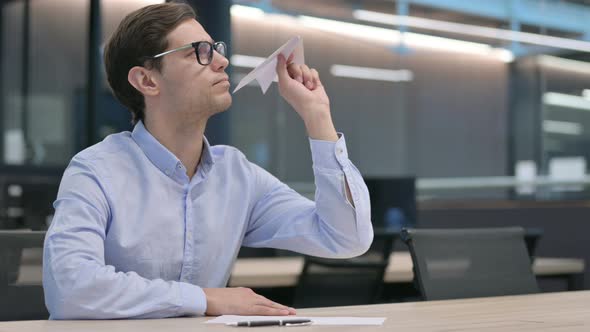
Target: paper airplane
{"x": 266, "y": 72}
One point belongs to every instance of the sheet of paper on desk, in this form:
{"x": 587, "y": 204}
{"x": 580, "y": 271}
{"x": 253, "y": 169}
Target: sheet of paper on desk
{"x": 316, "y": 320}
{"x": 266, "y": 72}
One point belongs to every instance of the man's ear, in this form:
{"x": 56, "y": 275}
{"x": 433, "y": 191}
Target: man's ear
{"x": 143, "y": 80}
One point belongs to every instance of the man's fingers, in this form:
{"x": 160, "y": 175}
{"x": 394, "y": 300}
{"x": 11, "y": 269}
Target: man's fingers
{"x": 282, "y": 68}
{"x": 291, "y": 58}
{"x": 295, "y": 72}
{"x": 307, "y": 77}
{"x": 269, "y": 303}
{"x": 272, "y": 304}
{"x": 316, "y": 79}
{"x": 303, "y": 74}
{"x": 263, "y": 310}
{"x": 242, "y": 301}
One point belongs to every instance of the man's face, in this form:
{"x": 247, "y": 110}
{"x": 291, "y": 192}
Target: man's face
{"x": 187, "y": 86}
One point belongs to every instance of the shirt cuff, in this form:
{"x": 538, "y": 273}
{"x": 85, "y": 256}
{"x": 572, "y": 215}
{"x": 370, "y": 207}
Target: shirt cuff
{"x": 327, "y": 154}
{"x": 194, "y": 301}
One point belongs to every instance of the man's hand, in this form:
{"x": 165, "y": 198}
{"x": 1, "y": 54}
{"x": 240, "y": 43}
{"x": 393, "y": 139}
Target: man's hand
{"x": 242, "y": 301}
{"x": 302, "y": 89}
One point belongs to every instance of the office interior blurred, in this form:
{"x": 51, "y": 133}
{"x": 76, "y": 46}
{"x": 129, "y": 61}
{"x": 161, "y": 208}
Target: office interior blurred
{"x": 458, "y": 113}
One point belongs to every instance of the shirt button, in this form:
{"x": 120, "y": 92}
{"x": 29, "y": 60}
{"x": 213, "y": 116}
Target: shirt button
{"x": 167, "y": 171}
{"x": 339, "y": 150}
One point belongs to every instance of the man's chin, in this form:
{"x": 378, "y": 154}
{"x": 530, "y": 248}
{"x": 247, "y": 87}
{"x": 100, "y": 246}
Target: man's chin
{"x": 223, "y": 103}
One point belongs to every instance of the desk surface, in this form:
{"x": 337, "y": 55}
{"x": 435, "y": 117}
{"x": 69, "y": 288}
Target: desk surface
{"x": 555, "y": 312}
{"x": 284, "y": 271}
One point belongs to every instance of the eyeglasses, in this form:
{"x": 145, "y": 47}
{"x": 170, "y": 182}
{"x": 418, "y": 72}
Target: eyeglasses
{"x": 203, "y": 51}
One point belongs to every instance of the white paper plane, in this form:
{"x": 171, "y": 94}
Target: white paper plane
{"x": 266, "y": 72}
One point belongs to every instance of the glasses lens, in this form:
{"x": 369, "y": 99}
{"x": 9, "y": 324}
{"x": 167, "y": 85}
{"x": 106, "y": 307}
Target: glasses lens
{"x": 220, "y": 48}
{"x": 204, "y": 53}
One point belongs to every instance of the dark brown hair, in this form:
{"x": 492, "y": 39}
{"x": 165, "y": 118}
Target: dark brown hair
{"x": 140, "y": 35}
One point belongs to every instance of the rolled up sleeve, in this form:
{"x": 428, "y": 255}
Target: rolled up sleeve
{"x": 329, "y": 226}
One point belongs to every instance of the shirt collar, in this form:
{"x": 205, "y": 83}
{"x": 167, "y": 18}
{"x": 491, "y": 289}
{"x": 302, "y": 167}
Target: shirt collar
{"x": 206, "y": 156}
{"x": 161, "y": 157}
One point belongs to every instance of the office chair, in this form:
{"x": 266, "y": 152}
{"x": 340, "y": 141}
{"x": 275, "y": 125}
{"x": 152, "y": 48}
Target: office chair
{"x": 464, "y": 263}
{"x": 19, "y": 301}
{"x": 531, "y": 238}
{"x": 247, "y": 252}
{"x": 335, "y": 282}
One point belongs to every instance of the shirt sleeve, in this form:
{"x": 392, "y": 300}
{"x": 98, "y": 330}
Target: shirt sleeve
{"x": 330, "y": 226}
{"x": 77, "y": 282}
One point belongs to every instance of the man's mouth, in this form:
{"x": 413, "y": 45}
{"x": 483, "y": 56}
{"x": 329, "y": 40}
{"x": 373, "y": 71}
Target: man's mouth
{"x": 223, "y": 79}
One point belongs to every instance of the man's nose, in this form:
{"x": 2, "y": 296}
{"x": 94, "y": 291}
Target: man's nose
{"x": 219, "y": 62}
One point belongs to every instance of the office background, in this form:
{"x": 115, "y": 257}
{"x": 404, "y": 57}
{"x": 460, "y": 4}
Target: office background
{"x": 494, "y": 130}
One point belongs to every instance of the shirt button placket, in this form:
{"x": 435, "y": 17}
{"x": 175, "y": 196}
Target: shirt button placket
{"x": 188, "y": 243}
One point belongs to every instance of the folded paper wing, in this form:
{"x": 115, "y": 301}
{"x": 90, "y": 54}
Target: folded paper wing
{"x": 265, "y": 73}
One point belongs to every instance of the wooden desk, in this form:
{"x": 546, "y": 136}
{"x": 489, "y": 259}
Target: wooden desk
{"x": 554, "y": 312}
{"x": 284, "y": 271}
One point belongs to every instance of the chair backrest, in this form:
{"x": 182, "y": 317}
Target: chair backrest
{"x": 335, "y": 282}
{"x": 531, "y": 238}
{"x": 247, "y": 252}
{"x": 464, "y": 263}
{"x": 331, "y": 282}
{"x": 19, "y": 301}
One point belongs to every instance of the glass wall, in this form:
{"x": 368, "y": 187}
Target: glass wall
{"x": 565, "y": 116}
{"x": 438, "y": 108}
{"x": 44, "y": 79}
{"x": 467, "y": 116}
{"x": 11, "y": 95}
{"x": 41, "y": 77}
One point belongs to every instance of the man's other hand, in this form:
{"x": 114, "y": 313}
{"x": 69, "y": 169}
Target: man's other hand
{"x": 242, "y": 301}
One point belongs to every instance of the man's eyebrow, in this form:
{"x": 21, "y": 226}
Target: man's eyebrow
{"x": 207, "y": 39}
{"x": 204, "y": 39}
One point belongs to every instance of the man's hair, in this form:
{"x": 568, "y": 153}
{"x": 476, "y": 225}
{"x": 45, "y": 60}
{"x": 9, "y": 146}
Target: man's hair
{"x": 140, "y": 35}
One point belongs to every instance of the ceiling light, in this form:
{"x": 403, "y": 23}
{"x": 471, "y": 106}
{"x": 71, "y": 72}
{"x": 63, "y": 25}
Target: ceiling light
{"x": 565, "y": 100}
{"x": 564, "y": 64}
{"x": 246, "y": 61}
{"x": 246, "y": 11}
{"x": 387, "y": 36}
{"x": 472, "y": 30}
{"x": 562, "y": 127}
{"x": 351, "y": 29}
{"x": 394, "y": 37}
{"x": 375, "y": 74}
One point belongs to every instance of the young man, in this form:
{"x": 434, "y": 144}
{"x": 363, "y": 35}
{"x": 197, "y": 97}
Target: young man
{"x": 148, "y": 224}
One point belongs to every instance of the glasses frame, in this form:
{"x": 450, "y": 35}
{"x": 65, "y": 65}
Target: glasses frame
{"x": 212, "y": 47}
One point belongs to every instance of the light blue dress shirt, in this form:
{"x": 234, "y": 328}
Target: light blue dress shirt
{"x": 134, "y": 237}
